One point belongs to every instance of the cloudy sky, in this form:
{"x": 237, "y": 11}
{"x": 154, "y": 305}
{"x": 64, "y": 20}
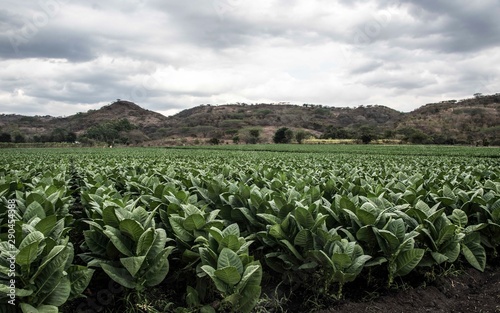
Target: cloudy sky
{"x": 59, "y": 57}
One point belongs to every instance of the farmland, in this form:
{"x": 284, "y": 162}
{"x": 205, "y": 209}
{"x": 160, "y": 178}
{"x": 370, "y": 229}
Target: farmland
{"x": 239, "y": 228}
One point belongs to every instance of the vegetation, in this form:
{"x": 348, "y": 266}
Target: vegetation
{"x": 471, "y": 121}
{"x": 209, "y": 228}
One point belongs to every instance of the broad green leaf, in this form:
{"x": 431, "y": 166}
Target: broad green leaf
{"x": 79, "y": 277}
{"x": 474, "y": 251}
{"x": 341, "y": 260}
{"x": 181, "y": 233}
{"x": 57, "y": 292}
{"x": 159, "y": 268}
{"x": 52, "y": 263}
{"x": 31, "y": 238}
{"x": 407, "y": 260}
{"x": 109, "y": 217}
{"x": 230, "y": 241}
{"x": 46, "y": 225}
{"x": 194, "y": 222}
{"x": 96, "y": 241}
{"x": 304, "y": 239}
{"x": 304, "y": 217}
{"x": 119, "y": 275}
{"x": 228, "y": 257}
{"x": 145, "y": 241}
{"x": 133, "y": 264}
{"x": 459, "y": 218}
{"x": 249, "y": 298}
{"x": 219, "y": 284}
{"x": 230, "y": 275}
{"x": 232, "y": 229}
{"x": 120, "y": 242}
{"x": 28, "y": 254}
{"x": 131, "y": 229}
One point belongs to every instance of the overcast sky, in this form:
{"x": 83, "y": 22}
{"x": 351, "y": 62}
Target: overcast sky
{"x": 59, "y": 57}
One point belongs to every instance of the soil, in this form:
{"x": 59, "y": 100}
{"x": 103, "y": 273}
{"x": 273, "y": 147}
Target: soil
{"x": 464, "y": 290}
{"x": 467, "y": 291}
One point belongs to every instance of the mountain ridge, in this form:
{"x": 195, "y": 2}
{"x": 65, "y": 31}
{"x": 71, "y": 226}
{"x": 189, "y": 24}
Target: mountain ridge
{"x": 465, "y": 121}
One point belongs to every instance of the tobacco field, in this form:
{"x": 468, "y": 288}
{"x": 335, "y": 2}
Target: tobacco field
{"x": 229, "y": 230}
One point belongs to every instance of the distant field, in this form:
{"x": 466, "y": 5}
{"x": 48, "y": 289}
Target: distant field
{"x": 430, "y": 150}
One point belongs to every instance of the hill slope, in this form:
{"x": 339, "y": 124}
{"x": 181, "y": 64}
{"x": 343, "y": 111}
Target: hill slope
{"x": 468, "y": 121}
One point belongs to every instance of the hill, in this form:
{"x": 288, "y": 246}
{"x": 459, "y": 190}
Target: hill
{"x": 468, "y": 121}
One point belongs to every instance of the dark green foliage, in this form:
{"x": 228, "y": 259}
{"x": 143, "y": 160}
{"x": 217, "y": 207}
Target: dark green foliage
{"x": 111, "y": 132}
{"x": 5, "y": 137}
{"x": 283, "y": 135}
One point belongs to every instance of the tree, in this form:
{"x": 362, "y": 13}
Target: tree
{"x": 283, "y": 135}
{"x": 367, "y": 134}
{"x": 19, "y": 138}
{"x": 301, "y": 135}
{"x": 253, "y": 136}
{"x": 214, "y": 141}
{"x": 5, "y": 137}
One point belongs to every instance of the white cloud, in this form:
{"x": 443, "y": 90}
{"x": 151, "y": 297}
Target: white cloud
{"x": 169, "y": 56}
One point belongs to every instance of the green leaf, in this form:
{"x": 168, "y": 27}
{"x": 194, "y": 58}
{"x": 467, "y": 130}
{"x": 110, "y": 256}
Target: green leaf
{"x": 277, "y": 232}
{"x": 358, "y": 264}
{"x": 304, "y": 239}
{"x": 474, "y": 251}
{"x": 251, "y": 276}
{"x": 438, "y": 257}
{"x": 59, "y": 292}
{"x": 28, "y": 254}
{"x": 219, "y": 284}
{"x": 194, "y": 222}
{"x": 79, "y": 277}
{"x": 388, "y": 242}
{"x": 145, "y": 241}
{"x": 119, "y": 241}
{"x": 304, "y": 217}
{"x": 52, "y": 264}
{"x": 158, "y": 244}
{"x": 227, "y": 258}
{"x": 367, "y": 214}
{"x": 32, "y": 210}
{"x": 176, "y": 224}
{"x": 133, "y": 264}
{"x": 159, "y": 268}
{"x": 459, "y": 218}
{"x": 96, "y": 241}
{"x": 109, "y": 217}
{"x": 230, "y": 241}
{"x": 131, "y": 229}
{"x": 119, "y": 275}
{"x": 398, "y": 228}
{"x": 46, "y": 225}
{"x": 31, "y": 238}
{"x": 230, "y": 275}
{"x": 292, "y": 249}
{"x": 232, "y": 229}
{"x": 341, "y": 260}
{"x": 407, "y": 260}
{"x": 249, "y": 298}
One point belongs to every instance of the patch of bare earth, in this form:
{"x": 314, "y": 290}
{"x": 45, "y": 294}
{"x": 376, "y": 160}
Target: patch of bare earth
{"x": 470, "y": 291}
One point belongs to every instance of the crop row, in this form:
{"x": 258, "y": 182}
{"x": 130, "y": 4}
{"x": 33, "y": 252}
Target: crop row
{"x": 216, "y": 222}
